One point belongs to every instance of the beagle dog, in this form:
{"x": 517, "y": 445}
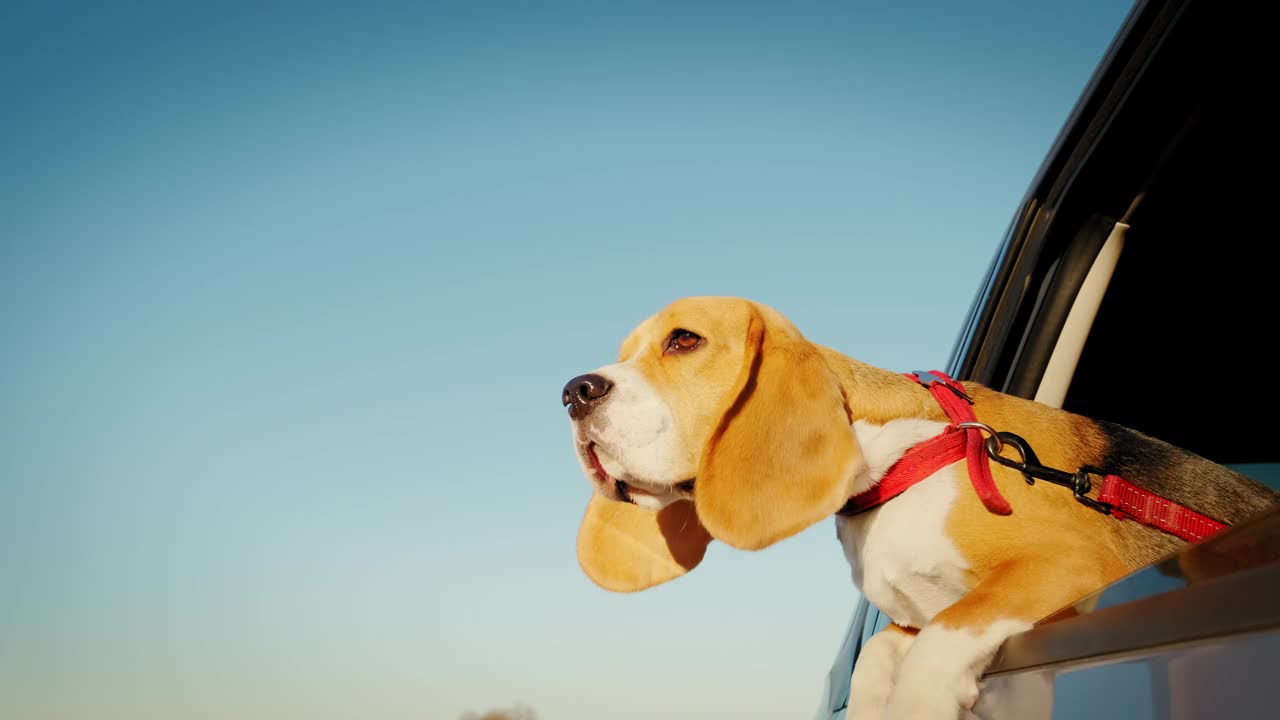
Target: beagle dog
{"x": 721, "y": 421}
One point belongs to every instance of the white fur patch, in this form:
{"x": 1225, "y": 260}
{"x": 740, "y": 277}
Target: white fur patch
{"x": 900, "y": 554}
{"x": 938, "y": 677}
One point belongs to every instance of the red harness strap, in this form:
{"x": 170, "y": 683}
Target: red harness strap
{"x": 1125, "y": 499}
{"x": 936, "y": 453}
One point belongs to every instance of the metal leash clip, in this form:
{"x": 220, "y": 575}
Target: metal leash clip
{"x": 1029, "y": 465}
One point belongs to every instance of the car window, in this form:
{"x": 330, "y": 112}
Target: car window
{"x": 1180, "y": 345}
{"x": 1266, "y": 473}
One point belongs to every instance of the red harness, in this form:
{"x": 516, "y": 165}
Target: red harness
{"x": 1118, "y": 497}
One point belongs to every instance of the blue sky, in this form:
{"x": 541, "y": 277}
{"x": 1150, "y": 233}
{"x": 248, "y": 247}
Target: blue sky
{"x": 288, "y": 293}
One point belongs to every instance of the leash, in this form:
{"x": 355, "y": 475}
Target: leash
{"x": 963, "y": 438}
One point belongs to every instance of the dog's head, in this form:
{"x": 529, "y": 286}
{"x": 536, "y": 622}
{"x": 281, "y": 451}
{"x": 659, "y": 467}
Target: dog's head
{"x": 719, "y": 420}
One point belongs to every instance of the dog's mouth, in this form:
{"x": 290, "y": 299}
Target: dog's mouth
{"x": 615, "y": 488}
{"x": 627, "y": 491}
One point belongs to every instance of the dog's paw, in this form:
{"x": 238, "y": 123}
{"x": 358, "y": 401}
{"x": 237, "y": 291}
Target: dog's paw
{"x": 867, "y": 706}
{"x": 935, "y": 693}
{"x": 863, "y": 712}
{"x": 869, "y": 693}
{"x": 932, "y": 701}
{"x": 938, "y": 678}
{"x": 866, "y": 710}
{"x": 932, "y": 697}
{"x": 873, "y": 677}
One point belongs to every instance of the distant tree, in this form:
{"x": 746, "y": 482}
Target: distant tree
{"x": 518, "y": 712}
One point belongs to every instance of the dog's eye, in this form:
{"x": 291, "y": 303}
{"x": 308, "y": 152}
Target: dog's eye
{"x": 683, "y": 341}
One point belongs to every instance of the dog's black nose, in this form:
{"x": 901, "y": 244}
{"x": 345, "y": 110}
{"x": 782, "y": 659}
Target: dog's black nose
{"x": 583, "y": 392}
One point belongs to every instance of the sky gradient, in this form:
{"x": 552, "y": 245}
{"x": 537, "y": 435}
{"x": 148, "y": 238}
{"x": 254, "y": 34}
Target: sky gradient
{"x": 288, "y": 294}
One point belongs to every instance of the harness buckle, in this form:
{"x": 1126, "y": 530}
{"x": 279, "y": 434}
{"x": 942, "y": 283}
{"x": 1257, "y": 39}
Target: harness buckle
{"x": 929, "y": 379}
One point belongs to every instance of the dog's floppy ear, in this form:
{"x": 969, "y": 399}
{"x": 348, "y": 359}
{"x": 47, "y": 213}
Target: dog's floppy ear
{"x": 783, "y": 455}
{"x": 625, "y": 548}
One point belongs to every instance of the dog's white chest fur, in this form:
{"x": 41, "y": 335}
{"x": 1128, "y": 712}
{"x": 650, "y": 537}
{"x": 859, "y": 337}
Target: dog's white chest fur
{"x": 902, "y": 558}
